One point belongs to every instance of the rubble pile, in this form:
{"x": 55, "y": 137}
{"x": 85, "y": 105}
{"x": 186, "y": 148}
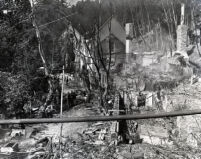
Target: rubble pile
{"x": 194, "y": 56}
{"x": 167, "y": 72}
{"x": 93, "y": 142}
{"x": 169, "y": 69}
{"x": 186, "y": 97}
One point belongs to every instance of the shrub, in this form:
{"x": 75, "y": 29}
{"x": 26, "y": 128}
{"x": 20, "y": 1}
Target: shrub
{"x": 15, "y": 93}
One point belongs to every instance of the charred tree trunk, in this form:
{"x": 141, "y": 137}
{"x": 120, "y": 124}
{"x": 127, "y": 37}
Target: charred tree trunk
{"x": 105, "y": 94}
{"x": 107, "y": 69}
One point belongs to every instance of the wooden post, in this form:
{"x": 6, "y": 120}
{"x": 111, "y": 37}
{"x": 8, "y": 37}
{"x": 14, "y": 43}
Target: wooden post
{"x": 61, "y": 113}
{"x": 62, "y": 91}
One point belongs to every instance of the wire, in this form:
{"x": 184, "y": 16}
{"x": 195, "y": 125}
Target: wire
{"x": 56, "y": 20}
{"x": 51, "y": 22}
{"x": 42, "y": 24}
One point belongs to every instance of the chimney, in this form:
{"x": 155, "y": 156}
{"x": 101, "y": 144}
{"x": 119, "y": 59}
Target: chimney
{"x": 129, "y": 37}
{"x": 129, "y": 30}
{"x": 182, "y": 13}
{"x": 182, "y": 34}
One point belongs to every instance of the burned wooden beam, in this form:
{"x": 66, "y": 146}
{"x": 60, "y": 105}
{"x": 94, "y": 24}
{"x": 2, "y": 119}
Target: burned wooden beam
{"x": 102, "y": 118}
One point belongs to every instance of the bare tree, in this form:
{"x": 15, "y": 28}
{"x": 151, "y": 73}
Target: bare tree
{"x": 42, "y": 55}
{"x": 100, "y": 60}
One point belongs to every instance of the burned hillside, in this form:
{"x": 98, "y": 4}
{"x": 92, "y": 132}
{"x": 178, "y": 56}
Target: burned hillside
{"x": 100, "y": 79}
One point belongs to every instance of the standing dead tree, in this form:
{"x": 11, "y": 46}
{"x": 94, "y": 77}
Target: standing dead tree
{"x": 42, "y": 55}
{"x": 100, "y": 61}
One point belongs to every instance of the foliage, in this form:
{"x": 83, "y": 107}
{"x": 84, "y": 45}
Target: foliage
{"x": 17, "y": 39}
{"x": 15, "y": 92}
{"x": 19, "y": 45}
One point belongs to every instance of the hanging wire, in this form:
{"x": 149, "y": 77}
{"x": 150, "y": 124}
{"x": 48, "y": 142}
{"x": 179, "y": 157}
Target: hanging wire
{"x": 56, "y": 20}
{"x": 51, "y": 22}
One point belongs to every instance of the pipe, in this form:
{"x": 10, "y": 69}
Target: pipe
{"x": 102, "y": 118}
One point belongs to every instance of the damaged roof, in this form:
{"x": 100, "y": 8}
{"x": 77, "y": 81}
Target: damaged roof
{"x": 116, "y": 30}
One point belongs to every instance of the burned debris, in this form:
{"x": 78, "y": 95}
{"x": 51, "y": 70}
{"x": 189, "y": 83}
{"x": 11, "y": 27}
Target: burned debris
{"x": 100, "y": 79}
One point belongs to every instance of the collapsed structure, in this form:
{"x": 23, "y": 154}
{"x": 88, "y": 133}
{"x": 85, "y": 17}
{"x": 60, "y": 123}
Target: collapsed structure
{"x": 170, "y": 72}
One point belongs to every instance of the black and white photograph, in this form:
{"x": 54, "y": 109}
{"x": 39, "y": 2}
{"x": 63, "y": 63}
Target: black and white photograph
{"x": 100, "y": 79}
